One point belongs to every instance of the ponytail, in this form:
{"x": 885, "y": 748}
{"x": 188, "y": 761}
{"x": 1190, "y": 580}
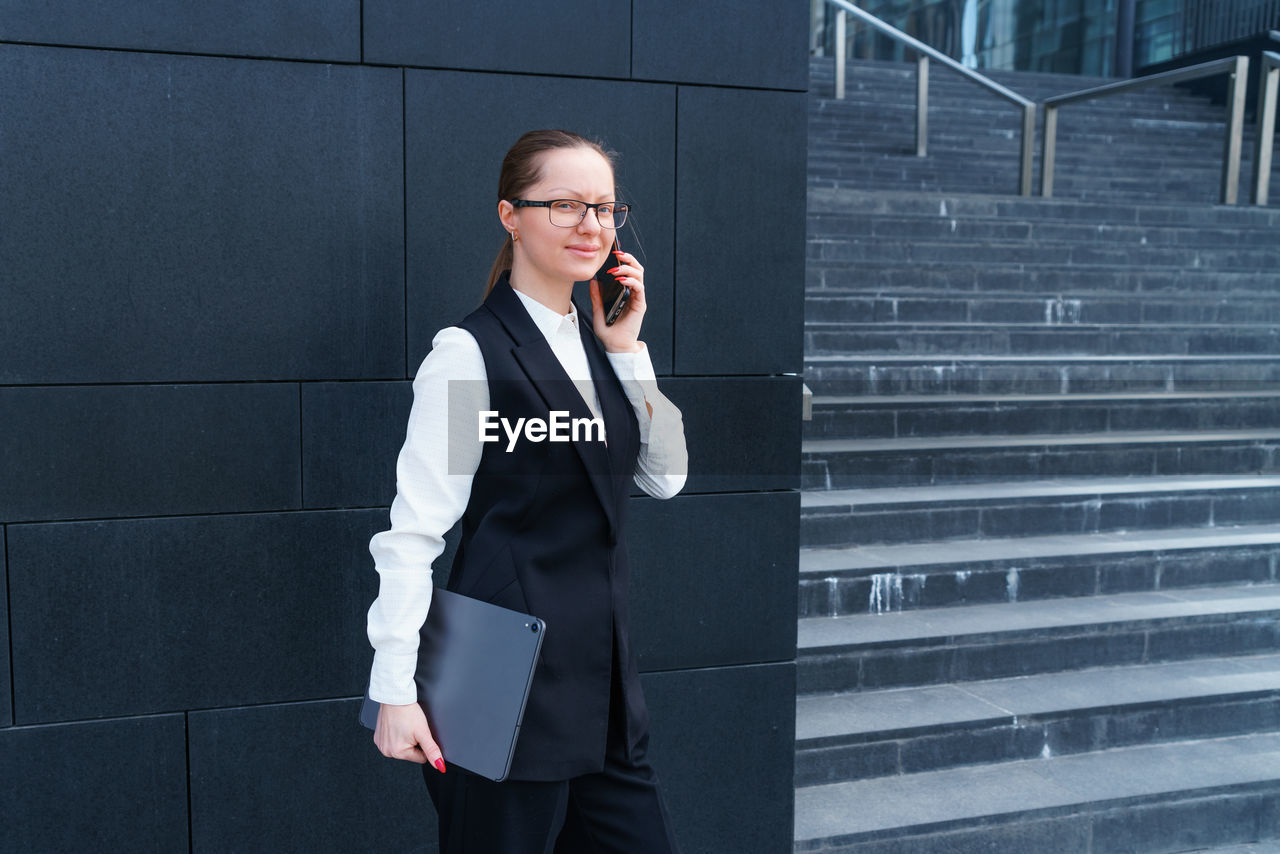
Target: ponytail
{"x": 501, "y": 264}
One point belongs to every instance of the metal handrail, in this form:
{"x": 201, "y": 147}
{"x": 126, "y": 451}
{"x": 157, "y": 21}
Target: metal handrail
{"x": 924, "y": 52}
{"x": 1237, "y": 66}
{"x": 1268, "y": 84}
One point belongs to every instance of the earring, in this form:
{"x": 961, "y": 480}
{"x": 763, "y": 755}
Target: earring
{"x": 514, "y": 236}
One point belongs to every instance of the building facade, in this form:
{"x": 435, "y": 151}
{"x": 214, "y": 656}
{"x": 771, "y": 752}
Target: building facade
{"x": 1108, "y": 38}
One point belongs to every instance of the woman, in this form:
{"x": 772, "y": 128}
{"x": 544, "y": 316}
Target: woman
{"x": 542, "y": 521}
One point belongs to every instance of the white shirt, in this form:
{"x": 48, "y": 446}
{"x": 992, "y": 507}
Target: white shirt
{"x": 438, "y": 462}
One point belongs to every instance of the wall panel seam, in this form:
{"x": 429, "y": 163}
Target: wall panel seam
{"x": 8, "y": 611}
{"x": 186, "y": 383}
{"x": 404, "y": 207}
{"x": 363, "y": 64}
{"x": 302, "y": 456}
{"x": 769, "y": 663}
{"x": 186, "y": 741}
{"x": 209, "y": 55}
{"x": 675, "y": 225}
{"x": 355, "y": 508}
{"x": 202, "y": 515}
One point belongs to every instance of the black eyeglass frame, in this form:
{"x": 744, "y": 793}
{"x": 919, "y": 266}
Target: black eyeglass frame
{"x": 624, "y": 206}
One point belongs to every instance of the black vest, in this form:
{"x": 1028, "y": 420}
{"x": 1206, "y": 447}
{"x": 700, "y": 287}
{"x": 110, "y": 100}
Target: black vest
{"x": 543, "y": 534}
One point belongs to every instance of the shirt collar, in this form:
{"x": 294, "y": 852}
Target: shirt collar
{"x": 548, "y": 320}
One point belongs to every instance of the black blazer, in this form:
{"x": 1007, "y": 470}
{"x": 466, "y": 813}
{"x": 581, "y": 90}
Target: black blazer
{"x": 543, "y": 533}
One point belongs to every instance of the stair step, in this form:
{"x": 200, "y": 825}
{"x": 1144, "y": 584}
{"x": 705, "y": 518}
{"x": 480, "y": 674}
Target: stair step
{"x": 1019, "y": 207}
{"x": 1117, "y": 437}
{"x": 884, "y": 305}
{"x": 1153, "y": 798}
{"x": 848, "y": 463}
{"x": 853, "y": 416}
{"x": 996, "y": 278}
{"x": 1066, "y": 339}
{"x": 944, "y": 556}
{"x": 874, "y": 579}
{"x": 944, "y": 373}
{"x": 823, "y": 227}
{"x": 1037, "y": 254}
{"x": 940, "y": 645}
{"x": 890, "y": 515}
{"x": 867, "y": 734}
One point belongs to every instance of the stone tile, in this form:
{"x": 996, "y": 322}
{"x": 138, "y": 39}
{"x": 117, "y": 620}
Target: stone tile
{"x": 725, "y": 261}
{"x": 1025, "y": 656}
{"x": 232, "y": 220}
{"x": 1217, "y": 639}
{"x": 251, "y": 608}
{"x": 1186, "y": 825}
{"x": 723, "y": 744}
{"x": 1056, "y": 834}
{"x": 294, "y": 29}
{"x": 522, "y": 37}
{"x": 761, "y": 457}
{"x": 820, "y": 766}
{"x": 6, "y": 684}
{"x": 341, "y": 795}
{"x": 910, "y": 667}
{"x": 889, "y": 803}
{"x": 86, "y": 451}
{"x": 875, "y": 712}
{"x": 351, "y": 438}
{"x": 756, "y": 44}
{"x": 713, "y": 579}
{"x": 949, "y": 749}
{"x": 120, "y": 783}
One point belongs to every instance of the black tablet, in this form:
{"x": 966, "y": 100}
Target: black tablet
{"x": 475, "y": 666}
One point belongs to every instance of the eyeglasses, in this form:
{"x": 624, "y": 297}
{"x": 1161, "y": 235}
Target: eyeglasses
{"x": 569, "y": 213}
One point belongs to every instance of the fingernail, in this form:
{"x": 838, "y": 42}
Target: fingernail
{"x": 439, "y": 763}
{"x": 614, "y": 271}
{"x": 618, "y": 252}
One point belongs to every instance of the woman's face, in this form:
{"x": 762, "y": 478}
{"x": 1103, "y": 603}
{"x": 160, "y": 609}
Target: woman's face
{"x": 554, "y": 254}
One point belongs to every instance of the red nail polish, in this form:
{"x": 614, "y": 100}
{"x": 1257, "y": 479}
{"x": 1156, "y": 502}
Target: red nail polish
{"x": 618, "y": 252}
{"x": 614, "y": 271}
{"x": 439, "y": 763}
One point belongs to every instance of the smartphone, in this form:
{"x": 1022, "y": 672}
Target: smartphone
{"x": 613, "y": 294}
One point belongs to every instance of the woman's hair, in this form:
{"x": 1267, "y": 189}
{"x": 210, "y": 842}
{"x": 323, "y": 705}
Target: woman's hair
{"x": 521, "y": 169}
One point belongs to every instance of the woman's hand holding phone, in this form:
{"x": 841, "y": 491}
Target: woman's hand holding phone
{"x": 624, "y": 335}
{"x": 403, "y": 733}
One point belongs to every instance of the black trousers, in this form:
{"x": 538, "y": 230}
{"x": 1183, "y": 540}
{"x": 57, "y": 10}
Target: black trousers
{"x": 618, "y": 810}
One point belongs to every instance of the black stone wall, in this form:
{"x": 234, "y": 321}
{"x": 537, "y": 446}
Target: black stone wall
{"x": 228, "y": 232}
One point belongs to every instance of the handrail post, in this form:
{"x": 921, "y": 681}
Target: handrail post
{"x": 922, "y": 105}
{"x": 1235, "y": 129}
{"x": 840, "y": 48}
{"x": 1237, "y": 67}
{"x": 1049, "y": 150}
{"x": 1269, "y": 83}
{"x": 1025, "y": 166}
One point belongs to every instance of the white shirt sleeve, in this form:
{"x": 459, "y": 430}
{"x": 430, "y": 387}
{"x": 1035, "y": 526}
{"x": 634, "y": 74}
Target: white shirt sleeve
{"x": 663, "y": 464}
{"x": 434, "y": 473}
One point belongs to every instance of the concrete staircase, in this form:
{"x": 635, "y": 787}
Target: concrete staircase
{"x": 1040, "y": 577}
